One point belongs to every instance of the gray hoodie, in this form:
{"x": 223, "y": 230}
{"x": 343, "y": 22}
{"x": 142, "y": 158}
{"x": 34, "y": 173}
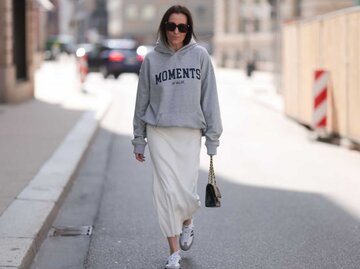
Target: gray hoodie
{"x": 177, "y": 89}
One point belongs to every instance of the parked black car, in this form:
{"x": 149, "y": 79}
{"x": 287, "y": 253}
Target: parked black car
{"x": 113, "y": 56}
{"x": 57, "y": 44}
{"x": 120, "y": 56}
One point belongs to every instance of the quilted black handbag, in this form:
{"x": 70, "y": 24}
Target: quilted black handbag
{"x": 212, "y": 193}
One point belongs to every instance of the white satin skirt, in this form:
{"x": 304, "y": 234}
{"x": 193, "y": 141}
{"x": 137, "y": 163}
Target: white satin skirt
{"x": 175, "y": 156}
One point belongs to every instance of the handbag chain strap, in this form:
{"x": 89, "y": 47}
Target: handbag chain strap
{"x": 211, "y": 176}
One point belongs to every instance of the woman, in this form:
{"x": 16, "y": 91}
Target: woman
{"x": 176, "y": 104}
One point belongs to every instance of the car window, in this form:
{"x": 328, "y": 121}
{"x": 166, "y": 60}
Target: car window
{"x": 120, "y": 44}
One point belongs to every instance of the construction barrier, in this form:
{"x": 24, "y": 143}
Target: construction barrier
{"x": 329, "y": 42}
{"x": 83, "y": 68}
{"x": 320, "y": 99}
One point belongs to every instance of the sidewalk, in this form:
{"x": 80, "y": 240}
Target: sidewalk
{"x": 260, "y": 87}
{"x": 42, "y": 142}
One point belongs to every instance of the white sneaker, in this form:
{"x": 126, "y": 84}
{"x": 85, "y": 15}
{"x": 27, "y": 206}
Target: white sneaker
{"x": 187, "y": 237}
{"x": 173, "y": 261}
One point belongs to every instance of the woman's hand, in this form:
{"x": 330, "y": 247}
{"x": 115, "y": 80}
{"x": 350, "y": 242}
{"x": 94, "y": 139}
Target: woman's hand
{"x": 140, "y": 157}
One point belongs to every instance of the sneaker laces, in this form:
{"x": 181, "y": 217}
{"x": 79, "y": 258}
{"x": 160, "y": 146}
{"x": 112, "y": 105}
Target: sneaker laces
{"x": 186, "y": 232}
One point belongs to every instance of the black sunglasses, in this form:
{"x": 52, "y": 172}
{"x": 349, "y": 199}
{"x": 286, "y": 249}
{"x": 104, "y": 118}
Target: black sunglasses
{"x": 170, "y": 26}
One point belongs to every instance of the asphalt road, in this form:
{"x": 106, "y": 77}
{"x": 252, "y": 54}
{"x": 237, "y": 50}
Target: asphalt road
{"x": 287, "y": 202}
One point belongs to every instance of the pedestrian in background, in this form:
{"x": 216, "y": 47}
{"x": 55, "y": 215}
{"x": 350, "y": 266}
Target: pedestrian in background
{"x": 176, "y": 104}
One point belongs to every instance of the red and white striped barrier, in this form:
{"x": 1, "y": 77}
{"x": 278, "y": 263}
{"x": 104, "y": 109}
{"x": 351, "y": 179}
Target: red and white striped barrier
{"x": 320, "y": 90}
{"x": 83, "y": 67}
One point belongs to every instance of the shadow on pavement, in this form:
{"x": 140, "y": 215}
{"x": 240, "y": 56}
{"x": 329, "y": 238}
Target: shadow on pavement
{"x": 254, "y": 228}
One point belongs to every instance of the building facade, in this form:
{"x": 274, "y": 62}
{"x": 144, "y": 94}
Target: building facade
{"x": 19, "y": 43}
{"x": 140, "y": 18}
{"x": 248, "y": 30}
{"x": 78, "y": 20}
{"x": 310, "y": 8}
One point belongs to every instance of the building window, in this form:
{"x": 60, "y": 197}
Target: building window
{"x": 256, "y": 25}
{"x": 148, "y": 12}
{"x": 132, "y": 12}
{"x": 201, "y": 12}
{"x": 242, "y": 26}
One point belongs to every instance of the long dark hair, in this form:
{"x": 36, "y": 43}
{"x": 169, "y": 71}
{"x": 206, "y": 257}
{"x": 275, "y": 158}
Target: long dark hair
{"x": 178, "y": 10}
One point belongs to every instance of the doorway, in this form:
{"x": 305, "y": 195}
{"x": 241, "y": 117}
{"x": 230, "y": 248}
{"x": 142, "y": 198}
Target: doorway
{"x": 19, "y": 38}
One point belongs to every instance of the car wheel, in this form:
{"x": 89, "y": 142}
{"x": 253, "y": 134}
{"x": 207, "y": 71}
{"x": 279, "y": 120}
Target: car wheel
{"x": 116, "y": 76}
{"x": 104, "y": 72}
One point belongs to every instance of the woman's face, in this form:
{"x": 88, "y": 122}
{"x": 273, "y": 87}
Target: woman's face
{"x": 176, "y": 38}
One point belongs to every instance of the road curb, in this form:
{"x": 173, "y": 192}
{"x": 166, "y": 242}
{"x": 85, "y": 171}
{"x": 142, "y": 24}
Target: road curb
{"x": 26, "y": 222}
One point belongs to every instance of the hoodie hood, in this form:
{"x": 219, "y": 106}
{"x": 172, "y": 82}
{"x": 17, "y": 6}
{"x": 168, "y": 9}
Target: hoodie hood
{"x": 163, "y": 48}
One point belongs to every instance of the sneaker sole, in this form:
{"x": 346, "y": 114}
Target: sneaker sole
{"x": 173, "y": 267}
